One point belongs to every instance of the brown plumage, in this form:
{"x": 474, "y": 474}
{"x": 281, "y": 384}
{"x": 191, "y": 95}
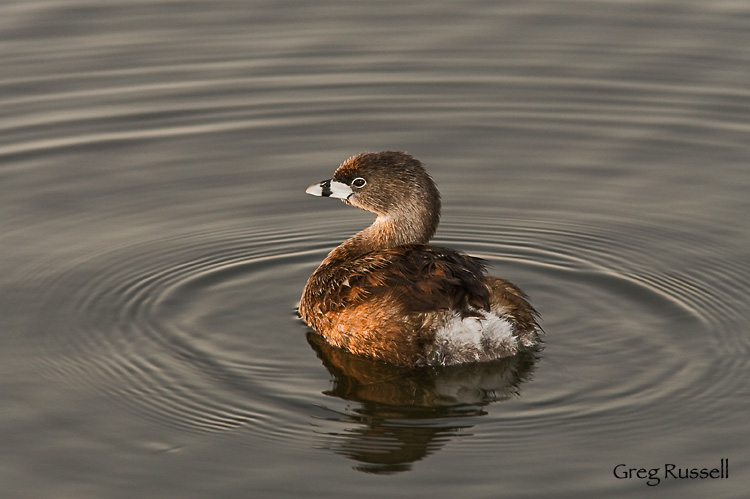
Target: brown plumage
{"x": 384, "y": 293}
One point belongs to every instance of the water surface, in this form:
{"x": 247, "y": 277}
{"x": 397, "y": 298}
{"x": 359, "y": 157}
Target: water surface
{"x": 156, "y": 238}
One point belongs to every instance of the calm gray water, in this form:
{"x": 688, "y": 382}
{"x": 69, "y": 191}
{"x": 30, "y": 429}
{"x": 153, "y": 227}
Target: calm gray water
{"x": 155, "y": 238}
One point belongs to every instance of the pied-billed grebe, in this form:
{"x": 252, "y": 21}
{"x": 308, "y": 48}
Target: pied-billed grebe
{"x": 384, "y": 293}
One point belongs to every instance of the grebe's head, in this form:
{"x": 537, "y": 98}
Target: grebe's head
{"x": 394, "y": 185}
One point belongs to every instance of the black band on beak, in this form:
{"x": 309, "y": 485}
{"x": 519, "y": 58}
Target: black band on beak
{"x": 326, "y": 188}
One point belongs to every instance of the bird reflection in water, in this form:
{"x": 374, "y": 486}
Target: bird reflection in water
{"x": 403, "y": 415}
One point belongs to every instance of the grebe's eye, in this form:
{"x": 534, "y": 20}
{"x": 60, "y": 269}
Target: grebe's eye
{"x": 359, "y": 182}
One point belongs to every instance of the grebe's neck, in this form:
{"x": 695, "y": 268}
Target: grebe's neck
{"x": 389, "y": 231}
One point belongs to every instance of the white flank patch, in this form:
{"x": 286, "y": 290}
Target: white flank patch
{"x": 475, "y": 339}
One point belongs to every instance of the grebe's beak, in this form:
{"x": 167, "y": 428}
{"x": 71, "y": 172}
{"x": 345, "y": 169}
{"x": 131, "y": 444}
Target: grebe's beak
{"x": 330, "y": 188}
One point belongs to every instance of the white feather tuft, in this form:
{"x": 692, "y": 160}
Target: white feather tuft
{"x": 475, "y": 339}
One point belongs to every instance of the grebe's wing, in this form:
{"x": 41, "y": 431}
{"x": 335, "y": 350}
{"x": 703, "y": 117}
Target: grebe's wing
{"x": 415, "y": 278}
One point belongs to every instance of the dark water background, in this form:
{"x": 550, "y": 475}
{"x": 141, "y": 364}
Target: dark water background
{"x": 155, "y": 237}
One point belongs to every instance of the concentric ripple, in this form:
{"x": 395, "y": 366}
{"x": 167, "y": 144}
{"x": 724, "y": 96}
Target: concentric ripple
{"x": 633, "y": 342}
{"x": 197, "y": 332}
{"x": 179, "y": 328}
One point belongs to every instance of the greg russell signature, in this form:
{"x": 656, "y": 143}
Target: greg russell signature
{"x": 654, "y": 476}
